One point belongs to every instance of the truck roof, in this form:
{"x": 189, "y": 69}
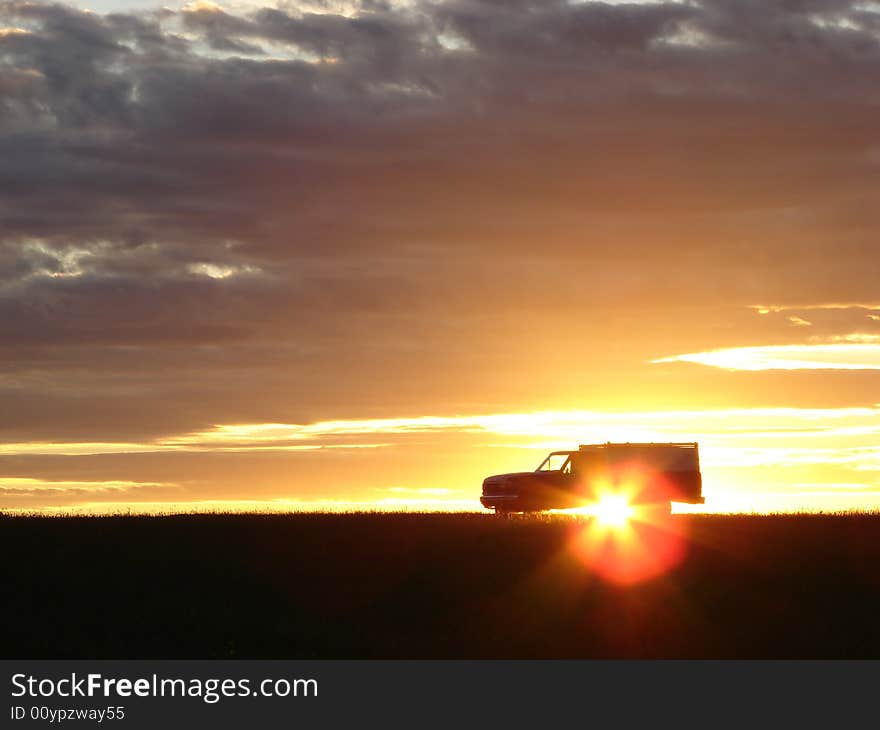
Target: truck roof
{"x": 667, "y": 456}
{"x": 645, "y": 445}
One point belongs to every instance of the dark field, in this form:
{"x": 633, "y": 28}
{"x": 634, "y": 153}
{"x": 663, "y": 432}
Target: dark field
{"x": 426, "y": 586}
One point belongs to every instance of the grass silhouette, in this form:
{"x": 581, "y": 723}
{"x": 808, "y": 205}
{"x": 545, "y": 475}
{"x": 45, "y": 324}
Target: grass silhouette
{"x": 373, "y": 585}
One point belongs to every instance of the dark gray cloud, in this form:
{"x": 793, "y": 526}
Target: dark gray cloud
{"x": 235, "y": 212}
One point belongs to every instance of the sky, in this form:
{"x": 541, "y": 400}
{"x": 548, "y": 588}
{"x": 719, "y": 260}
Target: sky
{"x": 364, "y": 254}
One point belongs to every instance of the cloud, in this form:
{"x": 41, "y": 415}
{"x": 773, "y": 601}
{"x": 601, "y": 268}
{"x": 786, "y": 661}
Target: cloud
{"x": 533, "y": 430}
{"x": 768, "y": 308}
{"x": 345, "y": 212}
{"x": 799, "y": 321}
{"x": 790, "y": 357}
{"x": 25, "y": 492}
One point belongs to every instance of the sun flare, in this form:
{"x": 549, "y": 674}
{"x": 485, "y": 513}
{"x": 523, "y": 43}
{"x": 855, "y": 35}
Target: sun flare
{"x": 613, "y": 511}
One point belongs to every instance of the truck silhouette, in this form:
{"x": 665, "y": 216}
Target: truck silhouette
{"x": 645, "y": 474}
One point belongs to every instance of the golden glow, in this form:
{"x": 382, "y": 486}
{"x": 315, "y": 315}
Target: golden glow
{"x": 752, "y": 459}
{"x": 248, "y": 506}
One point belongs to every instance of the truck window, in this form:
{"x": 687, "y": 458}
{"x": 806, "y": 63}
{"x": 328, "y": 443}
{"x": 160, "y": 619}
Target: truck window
{"x": 556, "y": 462}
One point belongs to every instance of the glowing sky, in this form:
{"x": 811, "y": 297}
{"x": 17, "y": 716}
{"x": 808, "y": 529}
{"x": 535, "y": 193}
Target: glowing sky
{"x": 366, "y": 254}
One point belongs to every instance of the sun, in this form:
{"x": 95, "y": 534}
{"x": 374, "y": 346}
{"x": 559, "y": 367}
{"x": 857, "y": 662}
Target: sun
{"x": 613, "y": 511}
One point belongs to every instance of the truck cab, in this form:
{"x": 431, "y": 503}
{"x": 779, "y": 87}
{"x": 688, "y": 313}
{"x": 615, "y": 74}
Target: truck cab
{"x": 643, "y": 474}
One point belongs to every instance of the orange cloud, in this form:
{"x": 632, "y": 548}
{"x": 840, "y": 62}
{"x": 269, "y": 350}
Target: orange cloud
{"x": 835, "y": 356}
